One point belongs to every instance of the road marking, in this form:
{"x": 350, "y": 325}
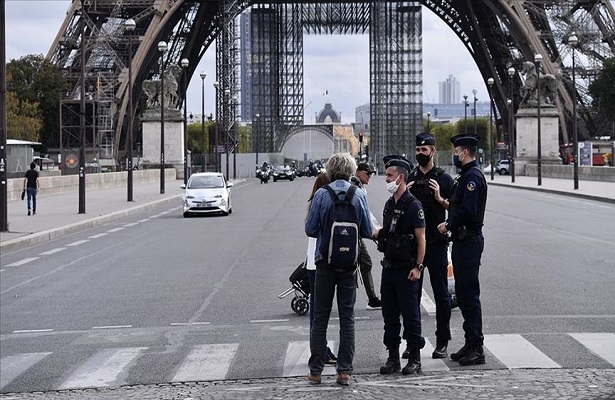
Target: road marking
{"x": 130, "y": 224}
{"x": 515, "y": 351}
{"x": 428, "y": 304}
{"x": 143, "y": 220}
{"x": 189, "y": 323}
{"x": 602, "y": 344}
{"x": 78, "y": 242}
{"x": 22, "y": 262}
{"x": 428, "y": 363}
{"x": 297, "y": 356}
{"x": 207, "y": 362}
{"x": 115, "y": 230}
{"x": 258, "y": 321}
{"x": 102, "y": 369}
{"x": 2, "y": 270}
{"x": 112, "y": 327}
{"x": 98, "y": 235}
{"x": 13, "y": 366}
{"x": 49, "y": 252}
{"x": 32, "y": 330}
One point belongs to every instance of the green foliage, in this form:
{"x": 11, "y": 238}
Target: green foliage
{"x": 196, "y": 139}
{"x": 23, "y": 119}
{"x": 444, "y": 132}
{"x": 602, "y": 91}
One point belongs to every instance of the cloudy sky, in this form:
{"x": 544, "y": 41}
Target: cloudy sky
{"x": 31, "y": 27}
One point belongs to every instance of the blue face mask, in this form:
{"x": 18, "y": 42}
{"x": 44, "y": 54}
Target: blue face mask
{"x": 456, "y": 161}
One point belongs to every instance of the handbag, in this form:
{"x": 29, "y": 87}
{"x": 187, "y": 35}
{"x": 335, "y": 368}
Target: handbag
{"x": 23, "y": 194}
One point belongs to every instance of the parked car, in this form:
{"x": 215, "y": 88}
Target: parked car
{"x": 44, "y": 162}
{"x": 283, "y": 172}
{"x": 503, "y": 167}
{"x": 206, "y": 193}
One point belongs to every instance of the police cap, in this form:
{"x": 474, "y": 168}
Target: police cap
{"x": 397, "y": 161}
{"x": 465, "y": 140}
{"x": 425, "y": 139}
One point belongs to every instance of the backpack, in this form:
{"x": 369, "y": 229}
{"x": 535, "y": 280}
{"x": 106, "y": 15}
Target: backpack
{"x": 340, "y": 243}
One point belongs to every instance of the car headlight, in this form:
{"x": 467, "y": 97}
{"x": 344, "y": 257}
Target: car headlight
{"x": 218, "y": 196}
{"x": 190, "y": 197}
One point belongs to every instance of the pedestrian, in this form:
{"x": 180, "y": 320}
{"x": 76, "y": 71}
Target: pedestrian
{"x": 465, "y": 222}
{"x": 430, "y": 184}
{"x": 402, "y": 240}
{"x": 31, "y": 185}
{"x": 321, "y": 180}
{"x": 330, "y": 278}
{"x": 361, "y": 179}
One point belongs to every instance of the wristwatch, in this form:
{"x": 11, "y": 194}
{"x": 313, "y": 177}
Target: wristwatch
{"x": 421, "y": 267}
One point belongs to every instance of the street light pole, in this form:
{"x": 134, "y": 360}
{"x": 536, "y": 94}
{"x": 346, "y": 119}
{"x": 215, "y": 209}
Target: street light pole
{"x": 465, "y": 113}
{"x": 538, "y": 60}
{"x": 257, "y": 137}
{"x": 203, "y": 75}
{"x": 428, "y": 127}
{"x": 82, "y": 120}
{"x": 475, "y": 126}
{"x": 184, "y": 64}
{"x": 227, "y": 93}
{"x": 130, "y": 25}
{"x": 216, "y": 86}
{"x": 162, "y": 47}
{"x": 4, "y": 220}
{"x": 512, "y": 146}
{"x": 490, "y": 82}
{"x": 234, "y": 144}
{"x": 572, "y": 42}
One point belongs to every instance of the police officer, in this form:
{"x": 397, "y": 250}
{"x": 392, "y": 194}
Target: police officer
{"x": 465, "y": 222}
{"x": 431, "y": 185}
{"x": 402, "y": 240}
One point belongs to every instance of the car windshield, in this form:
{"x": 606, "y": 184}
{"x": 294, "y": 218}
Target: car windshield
{"x": 205, "y": 182}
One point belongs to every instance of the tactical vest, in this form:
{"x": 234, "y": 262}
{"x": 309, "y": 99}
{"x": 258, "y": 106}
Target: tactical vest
{"x": 434, "y": 212}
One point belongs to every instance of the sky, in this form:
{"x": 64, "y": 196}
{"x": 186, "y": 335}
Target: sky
{"x": 337, "y": 64}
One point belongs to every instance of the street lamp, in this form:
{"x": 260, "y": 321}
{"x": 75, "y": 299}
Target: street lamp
{"x": 511, "y": 125}
{"x": 203, "y": 75}
{"x": 4, "y": 221}
{"x": 216, "y": 86}
{"x": 234, "y": 144}
{"x": 227, "y": 93}
{"x": 428, "y": 115}
{"x": 475, "y": 99}
{"x": 465, "y": 113}
{"x": 490, "y": 82}
{"x": 537, "y": 61}
{"x": 82, "y": 121}
{"x": 257, "y": 135}
{"x": 184, "y": 64}
{"x": 162, "y": 48}
{"x": 572, "y": 42}
{"x": 129, "y": 25}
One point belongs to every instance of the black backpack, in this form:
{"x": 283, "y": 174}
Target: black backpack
{"x": 340, "y": 243}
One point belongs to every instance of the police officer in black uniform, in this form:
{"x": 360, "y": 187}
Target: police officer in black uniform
{"x": 431, "y": 185}
{"x": 402, "y": 240}
{"x": 465, "y": 222}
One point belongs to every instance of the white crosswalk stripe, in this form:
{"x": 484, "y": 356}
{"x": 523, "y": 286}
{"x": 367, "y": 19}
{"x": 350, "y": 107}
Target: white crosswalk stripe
{"x": 207, "y": 362}
{"x": 428, "y": 363}
{"x": 515, "y": 351}
{"x": 601, "y": 344}
{"x": 102, "y": 369}
{"x": 297, "y": 356}
{"x": 427, "y": 303}
{"x": 13, "y": 366}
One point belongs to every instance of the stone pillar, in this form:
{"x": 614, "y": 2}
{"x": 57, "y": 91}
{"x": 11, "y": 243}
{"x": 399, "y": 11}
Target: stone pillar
{"x": 527, "y": 137}
{"x": 173, "y": 139}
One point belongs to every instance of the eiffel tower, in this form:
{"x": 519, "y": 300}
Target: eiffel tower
{"x": 499, "y": 34}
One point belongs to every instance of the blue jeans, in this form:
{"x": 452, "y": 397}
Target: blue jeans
{"x": 32, "y": 197}
{"x": 327, "y": 280}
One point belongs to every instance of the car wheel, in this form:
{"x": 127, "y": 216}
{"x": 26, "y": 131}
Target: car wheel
{"x": 275, "y": 179}
{"x": 502, "y": 171}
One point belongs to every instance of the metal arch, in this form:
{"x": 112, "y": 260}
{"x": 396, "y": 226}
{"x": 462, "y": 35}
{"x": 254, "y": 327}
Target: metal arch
{"x": 291, "y": 131}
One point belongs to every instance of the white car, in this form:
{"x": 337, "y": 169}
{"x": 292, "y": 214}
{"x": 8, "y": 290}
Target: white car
{"x": 207, "y": 193}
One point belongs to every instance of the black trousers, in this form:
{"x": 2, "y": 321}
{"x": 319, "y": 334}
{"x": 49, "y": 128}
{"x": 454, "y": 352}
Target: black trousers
{"x": 365, "y": 266}
{"x": 436, "y": 262}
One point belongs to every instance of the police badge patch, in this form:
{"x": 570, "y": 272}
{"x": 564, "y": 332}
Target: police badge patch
{"x": 471, "y": 186}
{"x": 421, "y": 214}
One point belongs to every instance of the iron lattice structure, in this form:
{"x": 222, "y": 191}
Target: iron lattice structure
{"x": 497, "y": 33}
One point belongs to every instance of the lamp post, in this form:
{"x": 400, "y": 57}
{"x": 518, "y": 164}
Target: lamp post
{"x": 130, "y": 25}
{"x": 257, "y": 135}
{"x": 203, "y": 75}
{"x": 512, "y": 146}
{"x": 475, "y": 99}
{"x": 234, "y": 144}
{"x": 227, "y": 93}
{"x": 216, "y": 86}
{"x": 490, "y": 82}
{"x": 537, "y": 61}
{"x": 184, "y": 64}
{"x": 82, "y": 120}
{"x": 465, "y": 113}
{"x": 4, "y": 221}
{"x": 428, "y": 115}
{"x": 572, "y": 42}
{"x": 162, "y": 47}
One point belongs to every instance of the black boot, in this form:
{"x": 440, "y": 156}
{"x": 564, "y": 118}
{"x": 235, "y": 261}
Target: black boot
{"x": 414, "y": 363}
{"x": 406, "y": 353}
{"x": 474, "y": 356}
{"x": 461, "y": 353}
{"x": 441, "y": 349}
{"x": 392, "y": 364}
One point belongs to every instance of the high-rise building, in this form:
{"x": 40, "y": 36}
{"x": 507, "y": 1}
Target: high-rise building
{"x": 450, "y": 92}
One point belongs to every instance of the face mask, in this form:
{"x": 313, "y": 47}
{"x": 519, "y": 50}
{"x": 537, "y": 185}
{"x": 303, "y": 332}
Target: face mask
{"x": 422, "y": 159}
{"x": 392, "y": 186}
{"x": 457, "y": 161}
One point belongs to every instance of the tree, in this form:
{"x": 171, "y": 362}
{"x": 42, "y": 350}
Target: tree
{"x": 23, "y": 119}
{"x": 602, "y": 91}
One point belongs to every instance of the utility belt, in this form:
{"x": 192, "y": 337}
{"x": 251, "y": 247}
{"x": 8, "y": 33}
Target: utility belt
{"x": 463, "y": 234}
{"x": 390, "y": 265}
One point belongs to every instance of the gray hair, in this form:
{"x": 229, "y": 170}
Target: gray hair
{"x": 341, "y": 166}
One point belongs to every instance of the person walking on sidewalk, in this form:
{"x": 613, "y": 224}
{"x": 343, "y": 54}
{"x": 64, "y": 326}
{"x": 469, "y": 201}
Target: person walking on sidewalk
{"x": 402, "y": 240}
{"x": 361, "y": 179}
{"x": 431, "y": 185}
{"x": 31, "y": 185}
{"x": 329, "y": 278}
{"x": 465, "y": 222}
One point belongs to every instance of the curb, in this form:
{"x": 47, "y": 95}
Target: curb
{"x": 45, "y": 236}
{"x": 555, "y": 191}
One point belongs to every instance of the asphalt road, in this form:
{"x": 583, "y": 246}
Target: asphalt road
{"x": 159, "y": 298}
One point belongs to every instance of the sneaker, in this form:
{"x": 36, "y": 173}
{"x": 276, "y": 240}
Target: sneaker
{"x": 343, "y": 379}
{"x": 313, "y": 378}
{"x": 374, "y": 304}
{"x": 28, "y": 212}
{"x": 331, "y": 358}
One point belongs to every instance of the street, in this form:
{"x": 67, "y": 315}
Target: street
{"x": 158, "y": 298}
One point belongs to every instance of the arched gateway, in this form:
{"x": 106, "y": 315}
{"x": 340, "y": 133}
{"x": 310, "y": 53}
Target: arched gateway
{"x": 497, "y": 33}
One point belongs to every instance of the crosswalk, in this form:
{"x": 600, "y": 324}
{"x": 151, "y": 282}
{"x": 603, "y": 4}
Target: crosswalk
{"x": 204, "y": 362}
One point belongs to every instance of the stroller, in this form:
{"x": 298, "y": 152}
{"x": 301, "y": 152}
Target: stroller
{"x": 301, "y": 287}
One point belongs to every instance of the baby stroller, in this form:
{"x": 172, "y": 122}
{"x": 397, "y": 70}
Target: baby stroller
{"x": 301, "y": 287}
